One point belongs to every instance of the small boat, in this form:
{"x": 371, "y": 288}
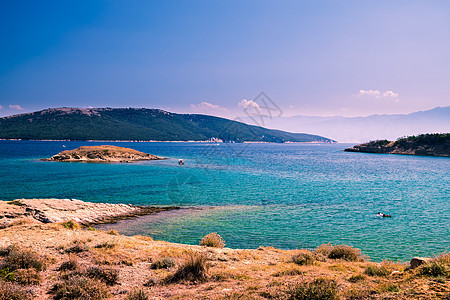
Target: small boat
{"x": 180, "y": 162}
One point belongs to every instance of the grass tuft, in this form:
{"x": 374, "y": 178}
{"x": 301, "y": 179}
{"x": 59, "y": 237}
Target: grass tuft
{"x": 163, "y": 263}
{"x": 434, "y": 269}
{"x": 374, "y": 270}
{"x": 79, "y": 288}
{"x": 16, "y": 257}
{"x": 318, "y": 289}
{"x": 212, "y": 240}
{"x": 137, "y": 295}
{"x": 77, "y": 247}
{"x": 194, "y": 269}
{"x": 109, "y": 276}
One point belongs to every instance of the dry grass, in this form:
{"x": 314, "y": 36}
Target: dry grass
{"x": 11, "y": 291}
{"x": 193, "y": 269}
{"x": 79, "y": 287}
{"x": 163, "y": 263}
{"x": 16, "y": 257}
{"x": 204, "y": 273}
{"x": 318, "y": 289}
{"x": 212, "y": 240}
{"x": 137, "y": 294}
{"x": 345, "y": 252}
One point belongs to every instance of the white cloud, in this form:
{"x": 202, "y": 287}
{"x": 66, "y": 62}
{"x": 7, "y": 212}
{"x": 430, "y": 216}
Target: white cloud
{"x": 369, "y": 92}
{"x": 390, "y": 94}
{"x": 206, "y": 106}
{"x": 246, "y": 104}
{"x": 377, "y": 94}
{"x": 16, "y": 107}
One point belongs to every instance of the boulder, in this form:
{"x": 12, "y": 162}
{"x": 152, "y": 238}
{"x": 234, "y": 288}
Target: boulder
{"x": 418, "y": 261}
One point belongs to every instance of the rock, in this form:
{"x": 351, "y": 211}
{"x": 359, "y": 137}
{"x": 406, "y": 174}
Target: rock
{"x": 103, "y": 153}
{"x": 418, "y": 261}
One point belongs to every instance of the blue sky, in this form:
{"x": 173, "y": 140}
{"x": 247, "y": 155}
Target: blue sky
{"x": 311, "y": 57}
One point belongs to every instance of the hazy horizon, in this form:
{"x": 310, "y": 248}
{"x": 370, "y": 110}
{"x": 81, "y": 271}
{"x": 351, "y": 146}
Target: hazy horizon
{"x": 321, "y": 58}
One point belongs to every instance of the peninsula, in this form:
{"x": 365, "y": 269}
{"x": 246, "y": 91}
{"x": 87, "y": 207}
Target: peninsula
{"x": 103, "y": 153}
{"x": 424, "y": 144}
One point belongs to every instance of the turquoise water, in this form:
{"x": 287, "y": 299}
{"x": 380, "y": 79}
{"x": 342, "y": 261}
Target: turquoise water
{"x": 283, "y": 195}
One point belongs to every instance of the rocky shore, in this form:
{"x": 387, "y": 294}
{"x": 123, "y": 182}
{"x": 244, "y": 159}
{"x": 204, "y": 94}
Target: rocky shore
{"x": 60, "y": 210}
{"x": 424, "y": 144}
{"x": 105, "y": 153}
{"x": 44, "y": 256}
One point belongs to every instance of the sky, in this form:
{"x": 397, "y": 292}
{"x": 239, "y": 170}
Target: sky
{"x": 315, "y": 58}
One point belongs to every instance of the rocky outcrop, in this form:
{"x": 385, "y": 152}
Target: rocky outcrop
{"x": 102, "y": 154}
{"x": 59, "y": 210}
{"x": 418, "y": 261}
{"x": 424, "y": 144}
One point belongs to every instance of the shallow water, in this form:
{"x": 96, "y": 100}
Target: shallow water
{"x": 284, "y": 195}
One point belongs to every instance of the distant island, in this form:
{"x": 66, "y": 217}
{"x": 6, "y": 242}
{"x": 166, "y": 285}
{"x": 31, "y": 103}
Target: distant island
{"x": 436, "y": 144}
{"x": 103, "y": 153}
{"x": 139, "y": 124}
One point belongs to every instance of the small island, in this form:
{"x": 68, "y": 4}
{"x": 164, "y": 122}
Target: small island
{"x": 104, "y": 153}
{"x": 435, "y": 144}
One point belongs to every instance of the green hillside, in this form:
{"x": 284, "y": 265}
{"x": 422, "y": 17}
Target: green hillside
{"x": 138, "y": 124}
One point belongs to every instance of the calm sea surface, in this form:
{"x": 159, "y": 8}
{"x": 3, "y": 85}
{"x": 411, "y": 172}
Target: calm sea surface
{"x": 283, "y": 195}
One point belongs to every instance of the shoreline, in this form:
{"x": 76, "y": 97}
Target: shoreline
{"x": 61, "y": 210}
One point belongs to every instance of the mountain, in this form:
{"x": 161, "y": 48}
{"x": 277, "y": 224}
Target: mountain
{"x": 138, "y": 124}
{"x": 363, "y": 129}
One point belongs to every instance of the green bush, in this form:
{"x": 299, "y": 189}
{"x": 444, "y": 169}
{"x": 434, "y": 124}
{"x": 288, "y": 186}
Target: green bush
{"x": 212, "y": 240}
{"x": 318, "y": 289}
{"x": 71, "y": 224}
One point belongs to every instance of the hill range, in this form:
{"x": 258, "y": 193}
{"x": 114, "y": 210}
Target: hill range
{"x": 138, "y": 124}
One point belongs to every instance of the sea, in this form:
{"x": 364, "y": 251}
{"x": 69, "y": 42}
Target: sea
{"x": 254, "y": 194}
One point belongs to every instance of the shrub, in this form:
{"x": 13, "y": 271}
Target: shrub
{"x": 27, "y": 277}
{"x": 323, "y": 251}
{"x": 434, "y": 269}
{"x": 11, "y": 291}
{"x": 305, "y": 257}
{"x": 77, "y": 247}
{"x": 106, "y": 245}
{"x": 345, "y": 252}
{"x": 356, "y": 278}
{"x": 71, "y": 224}
{"x": 212, "y": 240}
{"x": 16, "y": 258}
{"x": 70, "y": 265}
{"x": 193, "y": 269}
{"x": 288, "y": 272}
{"x": 381, "y": 271}
{"x": 137, "y": 295}
{"x": 318, "y": 289}
{"x": 107, "y": 275}
{"x": 113, "y": 232}
{"x": 163, "y": 263}
{"x": 79, "y": 287}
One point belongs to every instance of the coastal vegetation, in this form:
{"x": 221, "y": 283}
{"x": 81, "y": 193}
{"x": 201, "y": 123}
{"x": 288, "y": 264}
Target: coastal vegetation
{"x": 430, "y": 144}
{"x": 70, "y": 260}
{"x": 138, "y": 124}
